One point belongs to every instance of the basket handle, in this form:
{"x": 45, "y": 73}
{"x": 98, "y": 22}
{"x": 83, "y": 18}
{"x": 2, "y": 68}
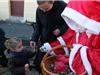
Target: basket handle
{"x": 54, "y": 48}
{"x": 84, "y": 73}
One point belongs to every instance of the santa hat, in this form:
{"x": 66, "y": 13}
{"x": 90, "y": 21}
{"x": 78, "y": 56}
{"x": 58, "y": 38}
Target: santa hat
{"x": 83, "y": 14}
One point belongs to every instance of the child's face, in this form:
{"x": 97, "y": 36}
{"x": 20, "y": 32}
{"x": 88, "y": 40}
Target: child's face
{"x": 19, "y": 47}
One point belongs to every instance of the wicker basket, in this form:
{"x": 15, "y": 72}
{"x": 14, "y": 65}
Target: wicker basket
{"x": 47, "y": 60}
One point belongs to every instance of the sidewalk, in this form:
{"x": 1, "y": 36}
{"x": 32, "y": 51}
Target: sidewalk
{"x": 16, "y": 29}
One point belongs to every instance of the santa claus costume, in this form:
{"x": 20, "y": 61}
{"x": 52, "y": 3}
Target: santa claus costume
{"x": 83, "y": 18}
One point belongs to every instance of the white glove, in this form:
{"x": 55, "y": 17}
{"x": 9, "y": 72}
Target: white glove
{"x": 46, "y": 47}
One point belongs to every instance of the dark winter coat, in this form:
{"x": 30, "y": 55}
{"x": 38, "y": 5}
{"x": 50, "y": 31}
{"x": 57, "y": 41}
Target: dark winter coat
{"x": 3, "y": 60}
{"x": 47, "y": 22}
{"x": 17, "y": 61}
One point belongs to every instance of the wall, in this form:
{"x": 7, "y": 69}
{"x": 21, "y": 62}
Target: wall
{"x": 30, "y": 10}
{"x": 4, "y": 9}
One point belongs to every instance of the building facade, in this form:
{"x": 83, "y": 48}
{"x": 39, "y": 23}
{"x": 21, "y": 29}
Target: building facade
{"x": 19, "y": 8}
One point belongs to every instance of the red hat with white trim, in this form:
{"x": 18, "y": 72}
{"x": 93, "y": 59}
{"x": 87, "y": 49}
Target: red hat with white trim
{"x": 83, "y": 14}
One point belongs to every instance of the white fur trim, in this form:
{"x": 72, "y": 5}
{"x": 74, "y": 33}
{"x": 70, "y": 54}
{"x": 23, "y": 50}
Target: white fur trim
{"x": 62, "y": 42}
{"x": 74, "y": 50}
{"x": 75, "y": 20}
{"x": 85, "y": 60}
{"x": 77, "y": 35}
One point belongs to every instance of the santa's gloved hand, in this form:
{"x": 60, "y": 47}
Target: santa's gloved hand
{"x": 46, "y": 47}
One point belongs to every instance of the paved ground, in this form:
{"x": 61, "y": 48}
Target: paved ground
{"x": 17, "y": 30}
{"x": 6, "y": 72}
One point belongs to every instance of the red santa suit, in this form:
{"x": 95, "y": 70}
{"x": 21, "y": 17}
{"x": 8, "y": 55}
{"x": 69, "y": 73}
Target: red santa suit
{"x": 62, "y": 40}
{"x": 83, "y": 18}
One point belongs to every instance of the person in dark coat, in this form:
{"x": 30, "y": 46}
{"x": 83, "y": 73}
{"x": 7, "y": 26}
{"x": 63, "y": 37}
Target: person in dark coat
{"x": 18, "y": 57}
{"x": 49, "y": 25}
{"x": 3, "y": 60}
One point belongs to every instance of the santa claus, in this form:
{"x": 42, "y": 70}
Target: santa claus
{"x": 83, "y": 18}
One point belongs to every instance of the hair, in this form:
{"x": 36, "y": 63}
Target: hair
{"x": 39, "y": 2}
{"x": 12, "y": 43}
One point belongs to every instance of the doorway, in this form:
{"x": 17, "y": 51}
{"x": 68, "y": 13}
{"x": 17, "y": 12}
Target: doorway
{"x": 17, "y": 8}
